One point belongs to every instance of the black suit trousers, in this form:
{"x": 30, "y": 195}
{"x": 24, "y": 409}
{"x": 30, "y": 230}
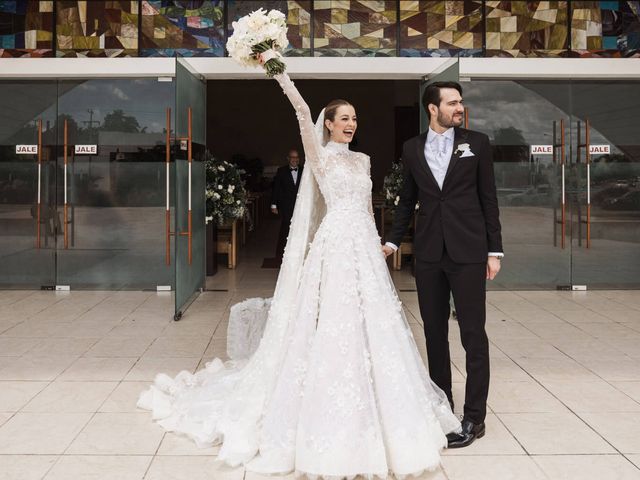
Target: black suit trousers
{"x": 467, "y": 281}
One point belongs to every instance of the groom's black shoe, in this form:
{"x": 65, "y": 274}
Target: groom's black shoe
{"x": 470, "y": 431}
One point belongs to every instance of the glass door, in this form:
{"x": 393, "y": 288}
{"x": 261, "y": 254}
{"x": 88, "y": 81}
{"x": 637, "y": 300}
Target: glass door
{"x": 528, "y": 123}
{"x": 28, "y": 219}
{"x": 189, "y": 181}
{"x": 606, "y": 180}
{"x": 111, "y": 183}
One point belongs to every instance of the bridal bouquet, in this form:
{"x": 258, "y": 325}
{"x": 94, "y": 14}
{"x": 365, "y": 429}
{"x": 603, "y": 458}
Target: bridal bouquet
{"x": 258, "y": 39}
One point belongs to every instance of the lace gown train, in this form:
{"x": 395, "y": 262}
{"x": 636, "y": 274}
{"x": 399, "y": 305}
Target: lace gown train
{"x": 337, "y": 387}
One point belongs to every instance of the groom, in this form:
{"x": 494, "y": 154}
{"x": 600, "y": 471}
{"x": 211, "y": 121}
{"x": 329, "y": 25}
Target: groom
{"x": 457, "y": 243}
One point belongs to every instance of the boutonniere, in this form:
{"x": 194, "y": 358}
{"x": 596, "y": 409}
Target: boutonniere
{"x": 464, "y": 150}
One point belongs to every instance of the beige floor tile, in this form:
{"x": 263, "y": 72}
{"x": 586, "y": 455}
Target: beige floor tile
{"x": 4, "y": 417}
{"x": 85, "y": 329}
{"x": 173, "y": 444}
{"x": 561, "y": 369}
{"x": 62, "y": 346}
{"x": 291, "y": 476}
{"x": 88, "y": 369}
{"x": 14, "y": 347}
{"x": 25, "y": 467}
{"x": 184, "y": 346}
{"x": 613, "y": 370}
{"x": 124, "y": 398}
{"x": 120, "y": 347}
{"x": 36, "y": 329}
{"x": 619, "y": 429}
{"x": 15, "y": 395}
{"x": 505, "y": 369}
{"x": 136, "y": 329}
{"x": 507, "y": 467}
{"x": 40, "y": 433}
{"x": 635, "y": 459}
{"x": 554, "y": 434}
{"x": 497, "y": 441}
{"x": 596, "y": 397}
{"x": 70, "y": 397}
{"x": 191, "y": 468}
{"x": 99, "y": 467}
{"x": 631, "y": 389}
{"x": 35, "y": 368}
{"x": 522, "y": 397}
{"x": 147, "y": 368}
{"x": 118, "y": 434}
{"x": 587, "y": 467}
{"x": 190, "y": 328}
{"x": 527, "y": 348}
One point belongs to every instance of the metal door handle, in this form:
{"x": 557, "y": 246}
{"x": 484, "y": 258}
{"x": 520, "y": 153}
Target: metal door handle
{"x": 189, "y": 232}
{"x": 66, "y": 205}
{"x": 587, "y": 146}
{"x": 563, "y": 203}
{"x": 39, "y": 183}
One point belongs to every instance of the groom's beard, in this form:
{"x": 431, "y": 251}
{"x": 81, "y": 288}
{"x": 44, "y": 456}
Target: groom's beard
{"x": 448, "y": 121}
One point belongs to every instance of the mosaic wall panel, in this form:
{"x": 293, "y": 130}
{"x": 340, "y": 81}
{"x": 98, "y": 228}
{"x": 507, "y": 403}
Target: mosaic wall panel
{"x": 355, "y": 28}
{"x": 526, "y": 28}
{"x": 605, "y": 29}
{"x": 86, "y": 28}
{"x": 26, "y": 28}
{"x": 441, "y": 29}
{"x": 184, "y": 28}
{"x": 298, "y": 14}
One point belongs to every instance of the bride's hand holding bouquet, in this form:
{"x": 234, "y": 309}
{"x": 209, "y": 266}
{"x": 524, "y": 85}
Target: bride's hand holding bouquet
{"x": 258, "y": 40}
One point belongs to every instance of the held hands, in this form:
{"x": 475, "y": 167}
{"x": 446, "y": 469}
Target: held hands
{"x": 493, "y": 267}
{"x": 387, "y": 250}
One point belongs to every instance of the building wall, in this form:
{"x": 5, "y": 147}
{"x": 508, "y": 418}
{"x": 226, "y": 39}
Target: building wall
{"x": 470, "y": 28}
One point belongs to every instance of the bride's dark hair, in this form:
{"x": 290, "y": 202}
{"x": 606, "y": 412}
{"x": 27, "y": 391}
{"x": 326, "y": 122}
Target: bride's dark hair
{"x": 330, "y": 112}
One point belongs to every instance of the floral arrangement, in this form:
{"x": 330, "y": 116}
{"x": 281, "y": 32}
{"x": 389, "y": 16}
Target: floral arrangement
{"x": 225, "y": 194}
{"x": 392, "y": 185}
{"x": 258, "y": 39}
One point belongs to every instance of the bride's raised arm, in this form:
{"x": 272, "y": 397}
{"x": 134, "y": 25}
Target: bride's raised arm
{"x": 311, "y": 143}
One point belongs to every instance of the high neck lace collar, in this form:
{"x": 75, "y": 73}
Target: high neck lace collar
{"x": 337, "y": 147}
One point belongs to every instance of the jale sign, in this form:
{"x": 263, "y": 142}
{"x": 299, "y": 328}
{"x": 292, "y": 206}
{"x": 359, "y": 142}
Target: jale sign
{"x": 86, "y": 149}
{"x": 600, "y": 149}
{"x": 541, "y": 149}
{"x": 26, "y": 149}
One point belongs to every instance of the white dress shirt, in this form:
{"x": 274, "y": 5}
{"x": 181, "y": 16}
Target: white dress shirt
{"x": 438, "y": 150}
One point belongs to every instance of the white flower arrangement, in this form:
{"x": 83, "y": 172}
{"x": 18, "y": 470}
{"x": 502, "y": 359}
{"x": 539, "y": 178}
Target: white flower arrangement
{"x": 258, "y": 39}
{"x": 224, "y": 204}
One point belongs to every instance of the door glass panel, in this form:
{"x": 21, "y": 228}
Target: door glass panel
{"x": 27, "y": 226}
{"x": 606, "y": 220}
{"x": 189, "y": 186}
{"x": 517, "y": 115}
{"x": 115, "y": 197}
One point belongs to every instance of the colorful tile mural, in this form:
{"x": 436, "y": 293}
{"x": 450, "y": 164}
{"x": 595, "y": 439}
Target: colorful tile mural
{"x": 26, "y": 28}
{"x": 526, "y": 28}
{"x": 605, "y": 29}
{"x": 409, "y": 28}
{"x": 355, "y": 28}
{"x": 441, "y": 29}
{"x": 184, "y": 28}
{"x": 298, "y": 14}
{"x": 86, "y": 28}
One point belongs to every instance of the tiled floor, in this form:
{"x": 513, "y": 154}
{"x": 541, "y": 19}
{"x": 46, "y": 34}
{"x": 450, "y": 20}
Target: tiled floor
{"x": 564, "y": 400}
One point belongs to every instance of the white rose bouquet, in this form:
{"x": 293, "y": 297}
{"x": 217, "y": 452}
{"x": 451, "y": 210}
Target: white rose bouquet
{"x": 258, "y": 39}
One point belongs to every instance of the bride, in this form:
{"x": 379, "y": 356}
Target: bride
{"x": 336, "y": 387}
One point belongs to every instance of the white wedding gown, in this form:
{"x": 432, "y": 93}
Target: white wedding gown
{"x": 337, "y": 387}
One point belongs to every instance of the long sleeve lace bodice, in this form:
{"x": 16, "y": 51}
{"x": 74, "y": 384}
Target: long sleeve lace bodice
{"x": 343, "y": 175}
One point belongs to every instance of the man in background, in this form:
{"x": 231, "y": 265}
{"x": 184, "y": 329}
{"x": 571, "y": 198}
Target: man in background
{"x": 283, "y": 196}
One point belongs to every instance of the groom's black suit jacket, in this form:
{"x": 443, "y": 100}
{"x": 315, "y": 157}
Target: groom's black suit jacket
{"x": 463, "y": 216}
{"x": 284, "y": 192}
